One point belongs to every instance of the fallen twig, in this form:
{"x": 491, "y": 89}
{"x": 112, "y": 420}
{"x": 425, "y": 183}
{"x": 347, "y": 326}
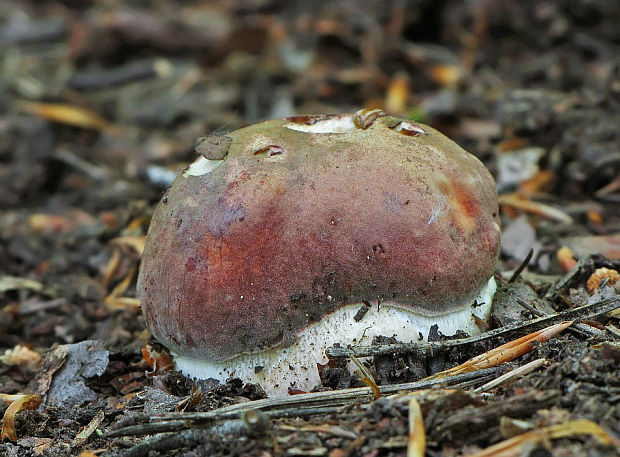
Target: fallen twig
{"x": 536, "y": 312}
{"x": 166, "y": 442}
{"x": 303, "y": 404}
{"x": 507, "y": 332}
{"x": 579, "y": 329}
{"x": 521, "y": 267}
{"x": 505, "y": 352}
{"x": 332, "y": 401}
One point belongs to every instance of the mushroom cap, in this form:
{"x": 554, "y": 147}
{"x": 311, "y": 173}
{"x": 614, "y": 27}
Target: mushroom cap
{"x": 299, "y": 217}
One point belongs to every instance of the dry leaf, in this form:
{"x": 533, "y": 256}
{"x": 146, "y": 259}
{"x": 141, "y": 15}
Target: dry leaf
{"x": 601, "y": 274}
{"x": 53, "y": 361}
{"x": 26, "y": 401}
{"x": 511, "y": 144}
{"x": 595, "y": 217}
{"x": 160, "y": 362}
{"x": 188, "y": 403}
{"x": 21, "y": 356}
{"x": 566, "y": 258}
{"x": 137, "y": 226}
{"x": 117, "y": 303}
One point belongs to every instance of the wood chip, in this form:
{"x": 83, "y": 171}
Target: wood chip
{"x": 87, "y": 431}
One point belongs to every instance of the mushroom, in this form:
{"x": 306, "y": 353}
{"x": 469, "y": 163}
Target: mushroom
{"x": 261, "y": 253}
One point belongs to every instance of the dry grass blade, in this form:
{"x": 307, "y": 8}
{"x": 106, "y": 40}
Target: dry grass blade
{"x": 366, "y": 377}
{"x": 119, "y": 303}
{"x": 112, "y": 267}
{"x": 14, "y": 283}
{"x": 515, "y": 446}
{"x": 328, "y": 429}
{"x": 416, "y": 446}
{"x": 115, "y": 301}
{"x": 513, "y": 374}
{"x": 427, "y": 394}
{"x": 26, "y": 401}
{"x": 134, "y": 242}
{"x": 505, "y": 352}
{"x": 192, "y": 400}
{"x": 518, "y": 202}
{"x": 613, "y": 330}
{"x": 66, "y": 114}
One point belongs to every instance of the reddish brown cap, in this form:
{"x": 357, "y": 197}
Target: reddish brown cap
{"x": 294, "y": 222}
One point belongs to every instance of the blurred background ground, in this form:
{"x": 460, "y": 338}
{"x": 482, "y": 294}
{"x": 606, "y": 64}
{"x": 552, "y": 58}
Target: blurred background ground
{"x": 101, "y": 101}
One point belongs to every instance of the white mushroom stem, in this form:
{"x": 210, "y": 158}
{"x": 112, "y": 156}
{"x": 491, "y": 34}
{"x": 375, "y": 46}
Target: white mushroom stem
{"x": 295, "y": 366}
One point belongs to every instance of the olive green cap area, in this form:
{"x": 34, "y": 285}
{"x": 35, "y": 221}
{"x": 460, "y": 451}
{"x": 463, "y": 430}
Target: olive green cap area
{"x": 280, "y": 223}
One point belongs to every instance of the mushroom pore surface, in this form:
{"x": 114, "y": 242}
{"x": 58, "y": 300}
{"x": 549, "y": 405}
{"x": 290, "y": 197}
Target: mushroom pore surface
{"x": 257, "y": 261}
